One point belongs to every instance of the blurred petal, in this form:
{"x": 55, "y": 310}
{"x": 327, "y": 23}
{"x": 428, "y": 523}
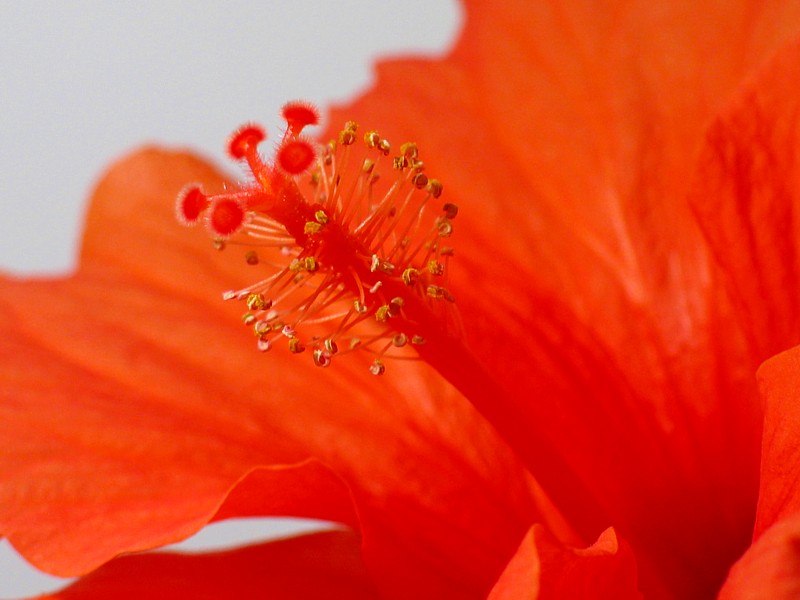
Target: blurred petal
{"x": 770, "y": 568}
{"x": 543, "y": 569}
{"x": 322, "y": 565}
{"x": 779, "y": 496}
{"x": 131, "y": 403}
{"x": 747, "y": 195}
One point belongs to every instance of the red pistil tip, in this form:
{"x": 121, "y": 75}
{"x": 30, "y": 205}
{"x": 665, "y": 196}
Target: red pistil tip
{"x": 226, "y": 216}
{"x": 191, "y": 203}
{"x": 299, "y": 115}
{"x": 245, "y": 140}
{"x": 296, "y": 155}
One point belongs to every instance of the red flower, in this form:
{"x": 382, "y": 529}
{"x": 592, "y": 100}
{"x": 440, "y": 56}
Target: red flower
{"x": 626, "y": 259}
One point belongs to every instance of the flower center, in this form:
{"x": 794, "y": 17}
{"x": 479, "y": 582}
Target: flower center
{"x": 354, "y": 252}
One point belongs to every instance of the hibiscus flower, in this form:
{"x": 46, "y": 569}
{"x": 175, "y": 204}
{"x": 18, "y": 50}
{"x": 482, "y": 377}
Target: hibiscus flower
{"x": 625, "y": 260}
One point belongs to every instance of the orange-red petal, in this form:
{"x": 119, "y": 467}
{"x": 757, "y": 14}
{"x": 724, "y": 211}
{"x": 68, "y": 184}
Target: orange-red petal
{"x": 569, "y": 147}
{"x": 779, "y": 494}
{"x": 746, "y": 196}
{"x": 132, "y": 400}
{"x": 322, "y": 565}
{"x": 770, "y": 568}
{"x": 543, "y": 569}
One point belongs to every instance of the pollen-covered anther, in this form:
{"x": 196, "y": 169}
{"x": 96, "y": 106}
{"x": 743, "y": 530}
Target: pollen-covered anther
{"x": 382, "y": 313}
{"x": 377, "y": 367}
{"x": 330, "y": 346}
{"x": 435, "y": 267}
{"x": 248, "y": 319}
{"x": 310, "y": 264}
{"x": 258, "y": 302}
{"x": 190, "y": 204}
{"x": 312, "y": 227}
{"x": 226, "y": 216}
{"x": 435, "y": 188}
{"x": 321, "y": 217}
{"x": 410, "y": 276}
{"x": 410, "y": 151}
{"x": 295, "y": 155}
{"x": 372, "y": 139}
{"x": 296, "y": 346}
{"x": 245, "y": 140}
{"x": 298, "y": 115}
{"x": 347, "y": 136}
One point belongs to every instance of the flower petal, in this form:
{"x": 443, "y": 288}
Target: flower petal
{"x": 322, "y": 565}
{"x": 569, "y": 145}
{"x": 779, "y": 495}
{"x": 770, "y": 568}
{"x": 746, "y": 197}
{"x": 543, "y": 569}
{"x": 132, "y": 402}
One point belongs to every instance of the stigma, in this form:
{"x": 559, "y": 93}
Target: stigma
{"x": 350, "y": 241}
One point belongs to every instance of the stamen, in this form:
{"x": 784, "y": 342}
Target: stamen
{"x": 351, "y": 259}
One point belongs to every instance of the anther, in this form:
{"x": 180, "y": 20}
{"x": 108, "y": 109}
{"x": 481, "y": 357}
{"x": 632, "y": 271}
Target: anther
{"x": 251, "y": 257}
{"x": 377, "y": 367}
{"x": 410, "y": 276}
{"x": 450, "y": 210}
{"x": 296, "y": 346}
{"x": 321, "y": 358}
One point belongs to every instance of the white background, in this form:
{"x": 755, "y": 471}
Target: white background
{"x": 83, "y": 82}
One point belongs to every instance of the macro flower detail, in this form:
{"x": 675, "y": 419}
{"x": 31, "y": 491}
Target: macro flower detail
{"x": 358, "y": 258}
{"x": 614, "y": 418}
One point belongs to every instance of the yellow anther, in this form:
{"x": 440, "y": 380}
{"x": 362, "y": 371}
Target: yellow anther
{"x": 367, "y": 166}
{"x": 321, "y": 216}
{"x": 410, "y": 276}
{"x": 435, "y": 187}
{"x": 434, "y": 291}
{"x": 359, "y": 307}
{"x": 435, "y": 267}
{"x": 372, "y": 139}
{"x": 257, "y": 302}
{"x": 383, "y": 313}
{"x": 312, "y": 227}
{"x": 248, "y": 318}
{"x": 310, "y": 264}
{"x": 295, "y": 345}
{"x": 330, "y": 346}
{"x": 347, "y": 137}
{"x": 409, "y": 150}
{"x": 400, "y": 162}
{"x": 251, "y": 257}
{"x": 385, "y": 147}
{"x": 296, "y": 265}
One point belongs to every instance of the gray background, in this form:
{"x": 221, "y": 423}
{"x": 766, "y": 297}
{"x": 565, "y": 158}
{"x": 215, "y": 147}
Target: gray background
{"x": 83, "y": 82}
